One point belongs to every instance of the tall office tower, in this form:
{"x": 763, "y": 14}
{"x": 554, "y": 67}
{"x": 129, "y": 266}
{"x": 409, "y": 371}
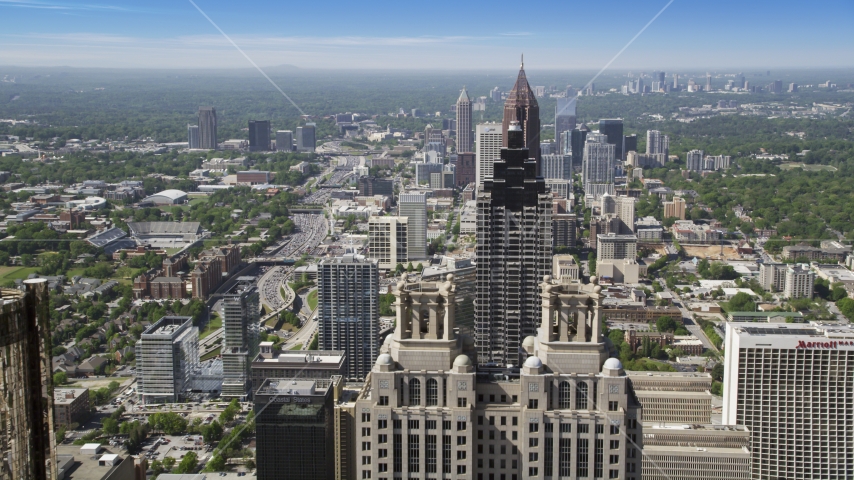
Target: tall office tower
{"x": 192, "y": 136}
{"x": 616, "y": 247}
{"x": 791, "y": 386}
{"x": 578, "y": 137}
{"x": 306, "y": 140}
{"x": 487, "y": 150}
{"x": 656, "y": 142}
{"x": 675, "y": 81}
{"x": 772, "y": 276}
{"x": 708, "y": 82}
{"x": 521, "y": 106}
{"x": 630, "y": 143}
{"x": 387, "y": 241}
{"x": 167, "y": 357}
{"x": 207, "y": 128}
{"x": 28, "y": 445}
{"x": 348, "y": 303}
{"x": 431, "y": 415}
{"x": 299, "y": 414}
{"x": 597, "y": 166}
{"x": 556, "y": 167}
{"x": 259, "y": 135}
{"x": 623, "y": 208}
{"x": 465, "y": 143}
{"x": 414, "y": 207}
{"x": 675, "y": 208}
{"x": 466, "y": 171}
{"x": 613, "y": 130}
{"x": 800, "y": 281}
{"x": 564, "y": 226}
{"x": 284, "y": 141}
{"x": 661, "y": 78}
{"x": 240, "y": 322}
{"x": 514, "y": 247}
{"x": 564, "y": 119}
{"x": 694, "y": 160}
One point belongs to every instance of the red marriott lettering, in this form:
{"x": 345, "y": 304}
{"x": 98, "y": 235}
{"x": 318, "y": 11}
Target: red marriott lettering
{"x": 828, "y": 345}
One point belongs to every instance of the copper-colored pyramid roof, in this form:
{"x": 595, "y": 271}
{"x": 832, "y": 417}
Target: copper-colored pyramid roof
{"x": 521, "y": 95}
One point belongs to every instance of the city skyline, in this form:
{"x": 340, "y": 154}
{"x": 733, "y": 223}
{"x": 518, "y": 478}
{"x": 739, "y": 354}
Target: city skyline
{"x": 166, "y": 35}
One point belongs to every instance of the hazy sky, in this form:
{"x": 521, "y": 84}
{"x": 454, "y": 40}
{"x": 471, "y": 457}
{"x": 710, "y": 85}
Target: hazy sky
{"x": 439, "y": 34}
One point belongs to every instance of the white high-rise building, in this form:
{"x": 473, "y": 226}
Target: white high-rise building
{"x": 387, "y": 241}
{"x": 487, "y": 150}
{"x": 656, "y": 142}
{"x": 800, "y": 280}
{"x": 597, "y": 166}
{"x": 413, "y": 206}
{"x": 772, "y": 276}
{"x": 694, "y": 161}
{"x": 240, "y": 313}
{"x": 167, "y": 356}
{"x": 792, "y": 386}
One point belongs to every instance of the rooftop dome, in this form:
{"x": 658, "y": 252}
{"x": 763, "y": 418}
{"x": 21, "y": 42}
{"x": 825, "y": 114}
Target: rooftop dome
{"x": 529, "y": 341}
{"x": 533, "y": 362}
{"x": 384, "y": 359}
{"x": 462, "y": 361}
{"x": 613, "y": 364}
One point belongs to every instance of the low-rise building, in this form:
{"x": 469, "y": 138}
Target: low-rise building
{"x": 685, "y": 452}
{"x": 767, "y": 317}
{"x": 829, "y": 253}
{"x": 304, "y": 364}
{"x": 70, "y": 405}
{"x": 675, "y": 397}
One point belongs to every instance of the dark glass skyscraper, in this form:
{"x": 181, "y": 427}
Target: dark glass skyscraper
{"x": 613, "y": 129}
{"x": 514, "y": 250}
{"x": 259, "y": 135}
{"x": 465, "y": 134}
{"x": 521, "y": 106}
{"x": 207, "y": 128}
{"x": 564, "y": 119}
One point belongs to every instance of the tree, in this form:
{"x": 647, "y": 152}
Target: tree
{"x": 110, "y": 426}
{"x": 188, "y": 463}
{"x": 215, "y": 464}
{"x": 60, "y": 378}
{"x": 212, "y": 433}
{"x": 168, "y": 463}
{"x": 314, "y": 343}
{"x": 718, "y": 372}
{"x": 666, "y": 324}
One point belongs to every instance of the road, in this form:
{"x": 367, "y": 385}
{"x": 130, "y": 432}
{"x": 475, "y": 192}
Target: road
{"x": 687, "y": 318}
{"x": 270, "y": 288}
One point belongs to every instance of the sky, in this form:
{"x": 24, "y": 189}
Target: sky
{"x": 442, "y": 34}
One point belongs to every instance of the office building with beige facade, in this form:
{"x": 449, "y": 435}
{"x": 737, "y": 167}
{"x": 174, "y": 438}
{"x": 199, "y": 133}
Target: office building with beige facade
{"x": 425, "y": 412}
{"x": 688, "y": 452}
{"x": 674, "y": 397}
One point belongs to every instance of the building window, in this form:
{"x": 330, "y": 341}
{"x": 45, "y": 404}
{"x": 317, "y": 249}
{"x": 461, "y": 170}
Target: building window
{"x": 514, "y": 435}
{"x": 583, "y": 428}
{"x": 397, "y": 451}
{"x": 480, "y": 419}
{"x": 613, "y": 474}
{"x": 533, "y": 427}
{"x": 613, "y": 406}
{"x": 533, "y": 471}
{"x": 550, "y": 427}
{"x": 398, "y": 424}
{"x": 581, "y": 396}
{"x": 430, "y": 454}
{"x": 615, "y": 445}
{"x": 383, "y": 400}
{"x": 382, "y": 438}
{"x": 564, "y": 457}
{"x": 366, "y": 418}
{"x": 582, "y": 467}
{"x": 432, "y": 392}
{"x": 382, "y": 453}
{"x": 366, "y": 474}
{"x": 446, "y": 424}
{"x": 533, "y": 442}
{"x": 614, "y": 459}
{"x": 563, "y": 393}
{"x": 366, "y": 460}
{"x": 382, "y": 424}
{"x": 600, "y": 429}
{"x": 366, "y": 432}
{"x": 615, "y": 429}
{"x": 382, "y": 467}
{"x": 548, "y": 457}
{"x": 366, "y": 446}
{"x": 461, "y": 402}
{"x": 599, "y": 458}
{"x": 446, "y": 454}
{"x": 491, "y": 420}
{"x": 533, "y": 403}
{"x": 431, "y": 424}
{"x": 415, "y": 392}
{"x": 414, "y": 453}
{"x": 414, "y": 424}
{"x": 503, "y": 420}
{"x": 515, "y": 421}
{"x": 504, "y": 399}
{"x": 461, "y": 439}
{"x": 461, "y": 470}
{"x": 461, "y": 454}
{"x": 533, "y": 456}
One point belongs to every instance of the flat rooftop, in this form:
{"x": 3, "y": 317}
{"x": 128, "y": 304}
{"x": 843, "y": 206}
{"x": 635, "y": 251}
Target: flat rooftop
{"x": 651, "y": 427}
{"x": 287, "y": 387}
{"x": 86, "y": 467}
{"x": 704, "y": 376}
{"x": 715, "y": 452}
{"x": 67, "y": 395}
{"x": 320, "y": 358}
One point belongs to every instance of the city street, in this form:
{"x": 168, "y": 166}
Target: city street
{"x": 687, "y": 318}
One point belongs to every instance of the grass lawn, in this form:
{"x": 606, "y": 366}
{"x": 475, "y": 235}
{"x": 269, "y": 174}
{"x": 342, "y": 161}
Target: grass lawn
{"x": 213, "y": 353}
{"x": 296, "y": 347}
{"x": 16, "y": 273}
{"x": 213, "y": 325}
{"x": 173, "y": 251}
{"x": 266, "y": 309}
{"x": 312, "y": 300}
{"x": 198, "y": 200}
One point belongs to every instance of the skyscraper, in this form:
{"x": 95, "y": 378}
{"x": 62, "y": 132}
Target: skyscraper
{"x": 630, "y": 143}
{"x": 306, "y": 141}
{"x": 464, "y": 130}
{"x": 167, "y": 356}
{"x": 556, "y": 167}
{"x": 514, "y": 247}
{"x": 791, "y": 385}
{"x": 488, "y": 150}
{"x": 564, "y": 119}
{"x": 657, "y": 143}
{"x": 597, "y": 166}
{"x": 348, "y": 305}
{"x": 578, "y": 137}
{"x": 387, "y": 241}
{"x": 259, "y": 135}
{"x": 207, "y": 128}
{"x": 414, "y": 207}
{"x": 694, "y": 160}
{"x": 27, "y": 446}
{"x": 708, "y": 82}
{"x": 240, "y": 315}
{"x": 521, "y": 106}
{"x": 284, "y": 141}
{"x": 192, "y": 136}
{"x": 613, "y": 129}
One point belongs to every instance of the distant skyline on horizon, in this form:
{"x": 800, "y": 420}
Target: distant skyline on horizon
{"x": 477, "y": 36}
